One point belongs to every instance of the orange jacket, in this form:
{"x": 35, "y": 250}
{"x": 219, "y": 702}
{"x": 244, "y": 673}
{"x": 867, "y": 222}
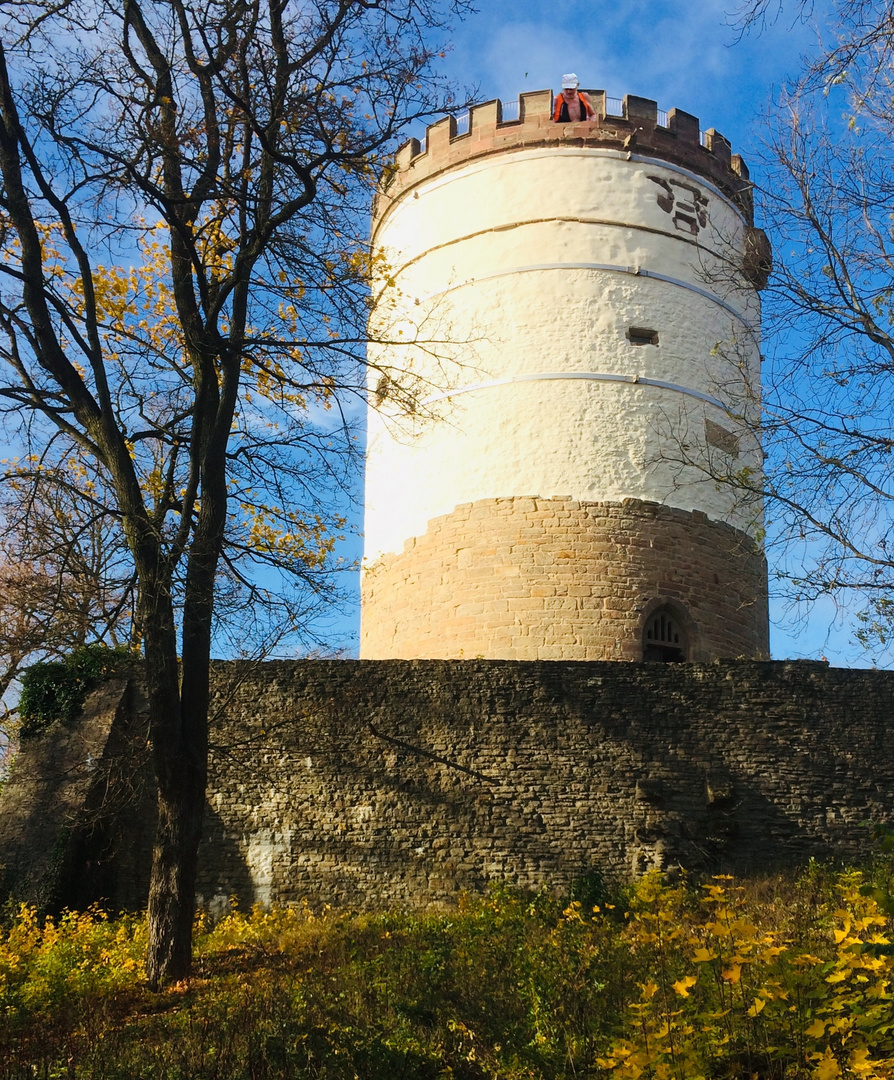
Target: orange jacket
{"x": 586, "y": 107}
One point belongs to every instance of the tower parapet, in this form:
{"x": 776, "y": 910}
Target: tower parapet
{"x": 577, "y": 306}
{"x": 678, "y": 140}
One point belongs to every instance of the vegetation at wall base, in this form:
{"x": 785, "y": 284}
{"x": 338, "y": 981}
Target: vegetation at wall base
{"x": 56, "y": 690}
{"x": 776, "y": 980}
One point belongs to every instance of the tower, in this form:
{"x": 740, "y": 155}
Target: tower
{"x": 545, "y": 453}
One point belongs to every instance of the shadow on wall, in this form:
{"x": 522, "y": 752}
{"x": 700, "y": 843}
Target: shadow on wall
{"x": 371, "y": 783}
{"x": 375, "y": 783}
{"x": 224, "y": 877}
{"x": 759, "y": 797}
{"x": 78, "y": 809}
{"x": 78, "y": 815}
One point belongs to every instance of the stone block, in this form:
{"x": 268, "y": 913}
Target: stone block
{"x": 639, "y": 109}
{"x": 484, "y": 118}
{"x": 535, "y": 104}
{"x": 684, "y": 125}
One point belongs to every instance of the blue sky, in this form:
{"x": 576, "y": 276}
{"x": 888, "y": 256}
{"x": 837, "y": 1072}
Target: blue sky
{"x": 689, "y": 57}
{"x": 686, "y": 57}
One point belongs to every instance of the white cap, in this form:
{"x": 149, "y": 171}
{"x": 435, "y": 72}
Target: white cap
{"x": 570, "y": 81}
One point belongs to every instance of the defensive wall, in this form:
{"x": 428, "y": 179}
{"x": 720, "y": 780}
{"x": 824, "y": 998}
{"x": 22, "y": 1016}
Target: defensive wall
{"x": 373, "y": 783}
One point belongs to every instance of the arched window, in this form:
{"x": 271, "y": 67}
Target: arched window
{"x": 663, "y": 638}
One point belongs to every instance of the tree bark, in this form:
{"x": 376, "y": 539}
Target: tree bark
{"x": 245, "y": 139}
{"x": 179, "y": 743}
{"x": 181, "y": 799}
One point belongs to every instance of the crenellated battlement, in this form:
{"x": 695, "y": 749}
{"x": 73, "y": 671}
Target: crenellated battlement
{"x": 641, "y": 129}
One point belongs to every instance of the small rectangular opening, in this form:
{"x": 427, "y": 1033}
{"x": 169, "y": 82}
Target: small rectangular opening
{"x": 641, "y": 335}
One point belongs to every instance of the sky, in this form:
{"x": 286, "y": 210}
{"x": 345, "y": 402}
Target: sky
{"x": 686, "y": 57}
{"x": 690, "y": 57}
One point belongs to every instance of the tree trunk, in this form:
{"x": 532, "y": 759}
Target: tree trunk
{"x": 181, "y": 804}
{"x": 179, "y": 750}
{"x": 179, "y": 704}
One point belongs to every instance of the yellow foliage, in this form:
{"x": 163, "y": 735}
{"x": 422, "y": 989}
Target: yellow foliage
{"x": 703, "y": 956}
{"x": 139, "y": 331}
{"x": 684, "y": 985}
{"x": 828, "y": 1067}
{"x": 670, "y": 1009}
{"x": 757, "y": 1007}
{"x": 727, "y": 982}
{"x": 43, "y": 962}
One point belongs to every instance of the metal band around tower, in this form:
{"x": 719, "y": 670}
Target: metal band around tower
{"x": 588, "y": 376}
{"x": 633, "y": 271}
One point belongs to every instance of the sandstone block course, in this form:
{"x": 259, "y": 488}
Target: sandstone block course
{"x": 505, "y": 594}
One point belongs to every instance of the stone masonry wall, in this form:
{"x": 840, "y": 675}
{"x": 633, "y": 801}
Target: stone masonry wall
{"x": 77, "y": 812}
{"x": 374, "y": 783}
{"x": 556, "y": 579}
{"x": 369, "y": 783}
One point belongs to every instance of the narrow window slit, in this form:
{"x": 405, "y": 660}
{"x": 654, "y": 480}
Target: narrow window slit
{"x": 641, "y": 335}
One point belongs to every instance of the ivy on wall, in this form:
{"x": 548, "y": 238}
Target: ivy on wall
{"x": 56, "y": 690}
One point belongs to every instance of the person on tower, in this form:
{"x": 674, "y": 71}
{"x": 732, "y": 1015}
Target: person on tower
{"x": 571, "y": 104}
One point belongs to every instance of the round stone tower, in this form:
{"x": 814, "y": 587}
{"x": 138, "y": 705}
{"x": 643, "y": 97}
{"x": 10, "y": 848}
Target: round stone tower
{"x": 568, "y": 355}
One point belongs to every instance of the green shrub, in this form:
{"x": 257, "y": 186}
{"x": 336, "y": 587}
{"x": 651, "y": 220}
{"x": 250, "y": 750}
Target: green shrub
{"x": 56, "y": 690}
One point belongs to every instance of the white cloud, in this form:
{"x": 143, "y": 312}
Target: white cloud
{"x": 686, "y": 57}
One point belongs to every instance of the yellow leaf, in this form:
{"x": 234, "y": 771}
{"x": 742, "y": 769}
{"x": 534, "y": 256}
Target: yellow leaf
{"x": 742, "y": 928}
{"x": 758, "y": 1005}
{"x": 860, "y": 1064}
{"x": 684, "y": 985}
{"x": 702, "y": 956}
{"x": 816, "y": 1030}
{"x": 733, "y": 973}
{"x": 828, "y": 1068}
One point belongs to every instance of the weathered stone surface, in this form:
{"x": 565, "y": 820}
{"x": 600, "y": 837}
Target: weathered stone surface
{"x": 379, "y": 782}
{"x": 556, "y": 579}
{"x": 76, "y": 814}
{"x": 367, "y": 783}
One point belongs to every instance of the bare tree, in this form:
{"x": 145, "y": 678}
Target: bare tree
{"x": 854, "y": 27}
{"x": 847, "y": 35}
{"x": 825, "y": 195}
{"x": 66, "y": 576}
{"x": 183, "y": 296}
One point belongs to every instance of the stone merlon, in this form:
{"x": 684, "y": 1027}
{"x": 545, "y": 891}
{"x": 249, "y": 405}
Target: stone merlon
{"x": 637, "y": 131}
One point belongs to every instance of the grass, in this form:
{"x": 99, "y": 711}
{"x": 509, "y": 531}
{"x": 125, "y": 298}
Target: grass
{"x": 780, "y": 979}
